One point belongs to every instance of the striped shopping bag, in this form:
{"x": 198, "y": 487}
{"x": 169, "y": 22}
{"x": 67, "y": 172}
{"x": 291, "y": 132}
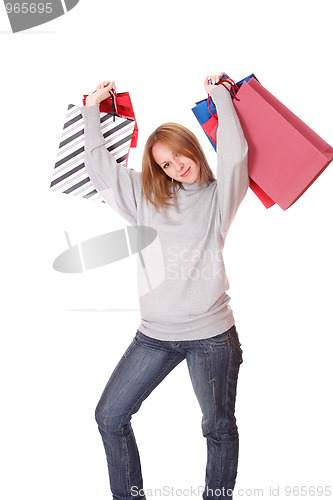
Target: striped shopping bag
{"x": 70, "y": 175}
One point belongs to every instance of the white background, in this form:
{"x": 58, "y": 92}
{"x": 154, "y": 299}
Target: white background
{"x": 61, "y": 335}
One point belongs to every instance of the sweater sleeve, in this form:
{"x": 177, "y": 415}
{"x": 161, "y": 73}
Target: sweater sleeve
{"x": 120, "y": 187}
{"x": 232, "y": 173}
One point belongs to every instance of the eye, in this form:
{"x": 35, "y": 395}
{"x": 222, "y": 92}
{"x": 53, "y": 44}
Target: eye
{"x": 166, "y": 165}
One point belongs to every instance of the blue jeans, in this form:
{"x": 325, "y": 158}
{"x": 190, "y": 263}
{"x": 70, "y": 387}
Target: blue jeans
{"x": 213, "y": 365}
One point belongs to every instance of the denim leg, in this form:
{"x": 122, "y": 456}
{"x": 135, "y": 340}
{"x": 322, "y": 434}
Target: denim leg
{"x": 213, "y": 366}
{"x": 143, "y": 366}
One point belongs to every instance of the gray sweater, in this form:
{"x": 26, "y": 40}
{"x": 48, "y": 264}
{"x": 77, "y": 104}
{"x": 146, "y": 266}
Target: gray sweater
{"x": 182, "y": 282}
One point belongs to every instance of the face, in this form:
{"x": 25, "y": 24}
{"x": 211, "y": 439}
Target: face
{"x": 178, "y": 167}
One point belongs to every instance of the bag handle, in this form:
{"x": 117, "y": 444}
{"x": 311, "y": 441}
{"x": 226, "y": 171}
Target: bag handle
{"x": 232, "y": 91}
{"x": 233, "y": 87}
{"x": 113, "y": 97}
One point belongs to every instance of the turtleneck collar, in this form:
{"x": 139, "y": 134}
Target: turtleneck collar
{"x": 195, "y": 186}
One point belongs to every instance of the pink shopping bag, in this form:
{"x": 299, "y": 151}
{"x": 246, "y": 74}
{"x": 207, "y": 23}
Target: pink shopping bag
{"x": 285, "y": 155}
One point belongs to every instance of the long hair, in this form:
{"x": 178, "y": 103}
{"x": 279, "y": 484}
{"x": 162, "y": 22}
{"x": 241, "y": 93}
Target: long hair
{"x": 157, "y": 186}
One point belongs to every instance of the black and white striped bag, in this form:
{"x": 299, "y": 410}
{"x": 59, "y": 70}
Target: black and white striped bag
{"x": 70, "y": 175}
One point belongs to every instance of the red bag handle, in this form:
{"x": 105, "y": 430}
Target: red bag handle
{"x": 234, "y": 86}
{"x": 208, "y": 101}
{"x": 231, "y": 91}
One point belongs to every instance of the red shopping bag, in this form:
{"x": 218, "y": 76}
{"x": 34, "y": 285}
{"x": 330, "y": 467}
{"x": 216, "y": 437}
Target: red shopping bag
{"x": 285, "y": 155}
{"x": 122, "y": 105}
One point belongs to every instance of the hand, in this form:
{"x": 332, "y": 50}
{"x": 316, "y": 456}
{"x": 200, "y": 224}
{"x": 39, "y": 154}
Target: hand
{"x": 101, "y": 93}
{"x": 214, "y": 79}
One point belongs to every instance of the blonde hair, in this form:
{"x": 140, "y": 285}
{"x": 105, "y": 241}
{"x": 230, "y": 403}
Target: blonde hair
{"x": 157, "y": 186}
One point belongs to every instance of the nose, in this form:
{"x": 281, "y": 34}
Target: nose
{"x": 179, "y": 163}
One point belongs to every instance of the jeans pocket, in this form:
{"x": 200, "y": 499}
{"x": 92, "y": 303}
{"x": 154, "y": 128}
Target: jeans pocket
{"x": 225, "y": 340}
{"x": 220, "y": 341}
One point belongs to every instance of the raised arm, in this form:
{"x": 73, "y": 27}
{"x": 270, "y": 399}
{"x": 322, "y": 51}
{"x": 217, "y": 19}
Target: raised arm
{"x": 232, "y": 173}
{"x": 120, "y": 187}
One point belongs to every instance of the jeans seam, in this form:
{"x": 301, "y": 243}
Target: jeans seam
{"x": 211, "y": 377}
{"x": 127, "y": 462}
{"x": 227, "y": 398}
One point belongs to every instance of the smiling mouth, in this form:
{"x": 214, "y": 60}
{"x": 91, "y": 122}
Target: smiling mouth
{"x": 186, "y": 173}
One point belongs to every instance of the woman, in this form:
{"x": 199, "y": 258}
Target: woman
{"x": 186, "y": 315}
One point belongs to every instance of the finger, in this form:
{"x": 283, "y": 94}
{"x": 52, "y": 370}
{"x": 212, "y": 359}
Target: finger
{"x": 110, "y": 86}
{"x": 108, "y": 83}
{"x": 211, "y": 79}
{"x": 104, "y": 84}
